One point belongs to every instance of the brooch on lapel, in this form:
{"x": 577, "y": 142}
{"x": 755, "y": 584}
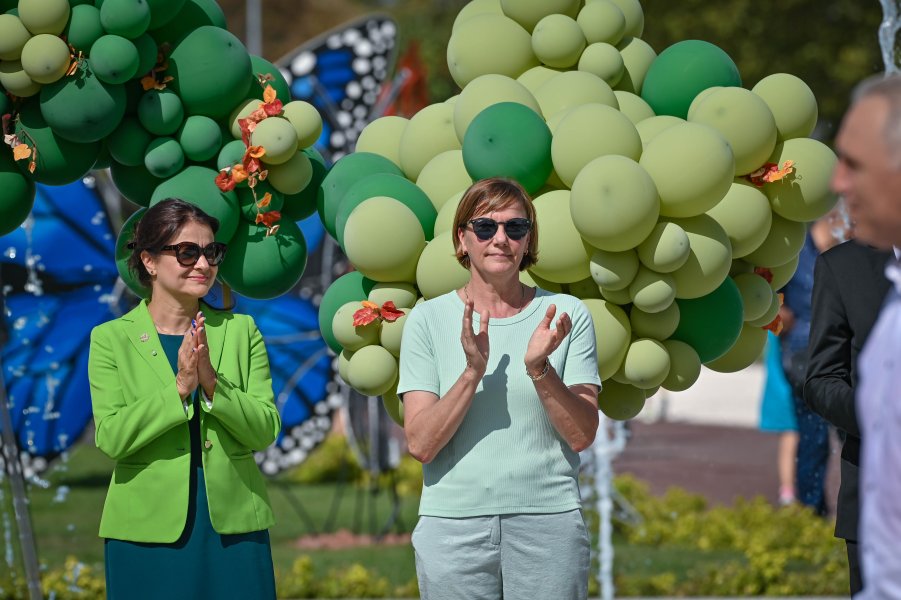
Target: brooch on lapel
{"x": 144, "y": 337}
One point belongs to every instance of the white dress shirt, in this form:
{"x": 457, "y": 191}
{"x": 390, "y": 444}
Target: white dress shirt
{"x": 879, "y": 415}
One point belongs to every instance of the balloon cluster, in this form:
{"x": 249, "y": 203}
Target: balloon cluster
{"x": 164, "y": 96}
{"x": 672, "y": 200}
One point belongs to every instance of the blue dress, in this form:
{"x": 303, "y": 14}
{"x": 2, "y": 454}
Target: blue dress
{"x": 201, "y": 564}
{"x": 777, "y": 408}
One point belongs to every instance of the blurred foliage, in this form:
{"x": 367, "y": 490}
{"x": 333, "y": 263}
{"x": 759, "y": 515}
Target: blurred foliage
{"x": 356, "y": 581}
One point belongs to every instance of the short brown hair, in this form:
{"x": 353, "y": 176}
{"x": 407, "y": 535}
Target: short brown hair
{"x": 487, "y": 195}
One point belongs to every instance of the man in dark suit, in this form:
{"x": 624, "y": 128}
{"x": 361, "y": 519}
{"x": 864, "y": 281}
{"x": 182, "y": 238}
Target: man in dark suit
{"x": 848, "y": 290}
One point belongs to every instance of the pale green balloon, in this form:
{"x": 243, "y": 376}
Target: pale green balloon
{"x": 241, "y": 111}
{"x": 586, "y": 288}
{"x": 769, "y": 315}
{"x": 573, "y": 88}
{"x": 383, "y": 239}
{"x": 293, "y": 175}
{"x": 554, "y": 122}
{"x": 372, "y": 371}
{"x": 613, "y": 270}
{"x": 665, "y": 249}
{"x": 429, "y": 133}
{"x": 651, "y": 291}
{"x": 475, "y": 8}
{"x": 529, "y": 13}
{"x": 13, "y": 37}
{"x": 637, "y": 58}
{"x": 620, "y": 402}
{"x": 792, "y": 103}
{"x": 614, "y": 203}
{"x": 483, "y": 92}
{"x": 563, "y": 257}
{"x": 652, "y": 391}
{"x": 702, "y": 95}
{"x": 685, "y": 366}
{"x": 658, "y": 325}
{"x": 746, "y": 350}
{"x": 557, "y": 41}
{"x": 587, "y": 132}
{"x": 353, "y": 338}
{"x": 782, "y": 274}
{"x": 739, "y": 266}
{"x": 343, "y": 361}
{"x": 708, "y": 261}
{"x": 605, "y": 61}
{"x": 45, "y": 58}
{"x": 533, "y": 280}
{"x": 16, "y": 81}
{"x": 445, "y": 219}
{"x": 393, "y": 405}
{"x": 634, "y": 107}
{"x": 692, "y": 167}
{"x": 634, "y": 16}
{"x": 44, "y": 16}
{"x": 744, "y": 120}
{"x": 804, "y": 195}
{"x": 403, "y": 294}
{"x": 306, "y": 120}
{"x": 278, "y": 137}
{"x": 391, "y": 333}
{"x": 602, "y": 21}
{"x": 783, "y": 242}
{"x": 651, "y": 127}
{"x": 382, "y": 137}
{"x": 444, "y": 177}
{"x": 612, "y": 326}
{"x": 745, "y": 214}
{"x": 489, "y": 43}
{"x": 756, "y": 295}
{"x": 619, "y": 297}
{"x": 646, "y": 364}
{"x": 535, "y": 77}
{"x": 438, "y": 271}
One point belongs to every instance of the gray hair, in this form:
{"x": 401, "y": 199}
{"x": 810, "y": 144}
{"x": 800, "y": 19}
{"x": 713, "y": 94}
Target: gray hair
{"x": 888, "y": 87}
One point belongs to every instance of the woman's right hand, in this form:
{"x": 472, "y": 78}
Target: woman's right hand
{"x": 187, "y": 378}
{"x": 475, "y": 345}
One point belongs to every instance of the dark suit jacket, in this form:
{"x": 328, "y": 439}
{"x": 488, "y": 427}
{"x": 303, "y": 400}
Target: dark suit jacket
{"x": 848, "y": 291}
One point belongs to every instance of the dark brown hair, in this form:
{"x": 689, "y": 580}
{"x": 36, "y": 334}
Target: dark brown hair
{"x": 488, "y": 195}
{"x": 157, "y": 228}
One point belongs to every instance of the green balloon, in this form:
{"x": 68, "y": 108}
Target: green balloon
{"x": 438, "y": 271}
{"x": 83, "y": 108}
{"x": 611, "y": 324}
{"x": 792, "y": 103}
{"x": 164, "y": 157}
{"x": 745, "y": 352}
{"x": 264, "y": 266}
{"x": 783, "y": 242}
{"x": 446, "y": 214}
{"x": 509, "y": 140}
{"x": 126, "y": 235}
{"x": 161, "y": 112}
{"x": 535, "y": 77}
{"x": 489, "y": 43}
{"x": 646, "y": 364}
{"x": 638, "y": 56}
{"x": 604, "y": 61}
{"x": 192, "y": 15}
{"x": 306, "y": 120}
{"x": 648, "y": 129}
{"x": 248, "y": 203}
{"x": 200, "y": 137}
{"x": 711, "y": 324}
{"x": 709, "y": 257}
{"x": 444, "y": 177}
{"x": 685, "y": 366}
{"x": 372, "y": 371}
{"x": 619, "y": 297}
{"x": 164, "y": 11}
{"x": 261, "y": 66}
{"x": 18, "y": 194}
{"x": 756, "y": 295}
{"x": 528, "y": 13}
{"x": 128, "y": 18}
{"x": 634, "y": 16}
{"x": 636, "y": 109}
{"x": 293, "y": 175}
{"x": 585, "y": 288}
{"x": 782, "y": 274}
{"x": 573, "y": 88}
{"x": 478, "y": 95}
{"x": 475, "y": 8}
{"x": 44, "y": 16}
{"x": 230, "y": 154}
{"x": 602, "y": 21}
{"x": 346, "y": 172}
{"x": 114, "y": 59}
{"x": 211, "y": 70}
{"x": 558, "y": 41}
{"x": 682, "y": 71}
{"x": 343, "y": 361}
{"x": 619, "y": 401}
{"x": 59, "y": 161}
{"x": 563, "y": 257}
{"x": 532, "y": 280}
{"x": 147, "y": 53}
{"x": 403, "y": 295}
{"x": 651, "y": 291}
{"x": 4, "y": 103}
{"x": 350, "y": 337}
{"x": 197, "y": 185}
{"x": 278, "y": 137}
{"x": 13, "y": 37}
{"x": 658, "y": 325}
{"x": 393, "y": 405}
{"x": 304, "y": 203}
{"x": 241, "y": 111}
{"x": 770, "y": 315}
{"x": 134, "y": 182}
{"x": 804, "y": 195}
{"x": 613, "y": 270}
{"x": 665, "y": 249}
{"x": 45, "y": 58}
{"x": 383, "y": 239}
{"x": 350, "y": 287}
{"x": 744, "y": 213}
{"x": 392, "y": 332}
{"x": 382, "y": 136}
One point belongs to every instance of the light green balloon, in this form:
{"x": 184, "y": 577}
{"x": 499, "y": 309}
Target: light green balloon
{"x": 383, "y": 239}
{"x": 804, "y": 195}
{"x": 343, "y": 361}
{"x": 475, "y": 8}
{"x": 573, "y": 88}
{"x": 658, "y": 325}
{"x": 563, "y": 257}
{"x": 16, "y": 81}
{"x": 708, "y": 261}
{"x": 614, "y": 203}
{"x": 438, "y": 271}
{"x": 278, "y": 137}
{"x": 587, "y": 132}
{"x": 619, "y": 401}
{"x": 241, "y": 111}
{"x": 634, "y": 107}
{"x": 528, "y": 13}
{"x": 535, "y": 77}
{"x": 602, "y": 21}
{"x": 372, "y": 371}
{"x": 665, "y": 249}
{"x": 613, "y": 270}
{"x": 293, "y": 175}
{"x": 634, "y": 16}
{"x": 746, "y": 350}
{"x": 771, "y": 312}
{"x": 744, "y": 213}
{"x": 692, "y": 166}
{"x": 45, "y": 58}
{"x": 489, "y": 43}
{"x": 445, "y": 219}
{"x": 739, "y": 267}
{"x": 429, "y": 133}
{"x": 393, "y": 405}
{"x": 651, "y": 291}
{"x": 586, "y": 288}
{"x": 651, "y": 127}
{"x": 637, "y": 58}
{"x": 557, "y": 41}
{"x": 403, "y": 294}
{"x": 483, "y": 92}
{"x": 44, "y": 16}
{"x": 619, "y": 297}
{"x": 611, "y": 324}
{"x": 13, "y": 36}
{"x": 756, "y": 295}
{"x": 605, "y": 61}
{"x": 391, "y": 333}
{"x": 382, "y": 137}
{"x": 783, "y": 242}
{"x": 353, "y": 338}
{"x": 444, "y": 177}
{"x": 646, "y": 364}
{"x": 792, "y": 103}
{"x": 685, "y": 366}
{"x": 744, "y": 120}
{"x": 782, "y": 274}
{"x": 306, "y": 120}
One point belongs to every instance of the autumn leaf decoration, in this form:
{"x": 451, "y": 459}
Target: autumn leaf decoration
{"x": 771, "y": 172}
{"x": 776, "y": 324}
{"x": 156, "y": 79}
{"x": 19, "y": 142}
{"x": 765, "y": 273}
{"x": 371, "y": 312}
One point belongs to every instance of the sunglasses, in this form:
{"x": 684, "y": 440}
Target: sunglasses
{"x": 188, "y": 253}
{"x": 486, "y": 228}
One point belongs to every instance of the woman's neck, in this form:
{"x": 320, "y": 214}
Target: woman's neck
{"x": 171, "y": 316}
{"x": 500, "y": 298}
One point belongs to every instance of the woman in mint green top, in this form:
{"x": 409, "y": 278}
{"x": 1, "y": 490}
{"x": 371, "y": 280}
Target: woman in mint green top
{"x": 497, "y": 414}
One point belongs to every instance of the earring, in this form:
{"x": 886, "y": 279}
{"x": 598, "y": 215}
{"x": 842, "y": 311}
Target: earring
{"x": 152, "y": 273}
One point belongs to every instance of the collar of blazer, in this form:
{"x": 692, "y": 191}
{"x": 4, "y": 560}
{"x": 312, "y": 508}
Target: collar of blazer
{"x": 141, "y": 332}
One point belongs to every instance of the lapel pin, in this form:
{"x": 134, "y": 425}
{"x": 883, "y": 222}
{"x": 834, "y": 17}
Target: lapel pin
{"x": 144, "y": 337}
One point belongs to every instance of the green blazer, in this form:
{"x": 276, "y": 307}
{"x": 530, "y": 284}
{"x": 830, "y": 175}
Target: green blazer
{"x": 141, "y": 424}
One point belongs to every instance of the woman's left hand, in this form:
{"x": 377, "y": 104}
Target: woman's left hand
{"x": 545, "y": 340}
{"x": 205, "y": 371}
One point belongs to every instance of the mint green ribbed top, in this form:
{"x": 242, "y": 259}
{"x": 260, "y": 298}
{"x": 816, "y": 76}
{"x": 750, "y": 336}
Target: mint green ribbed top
{"x": 506, "y": 457}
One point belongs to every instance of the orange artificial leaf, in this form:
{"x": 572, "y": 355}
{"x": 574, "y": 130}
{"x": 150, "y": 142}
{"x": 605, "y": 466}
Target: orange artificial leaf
{"x": 775, "y": 325}
{"x": 274, "y": 108}
{"x": 265, "y": 201}
{"x": 366, "y": 315}
{"x": 258, "y": 115}
{"x": 780, "y": 172}
{"x": 238, "y": 174}
{"x": 148, "y": 82}
{"x": 269, "y": 94}
{"x": 390, "y": 313}
{"x": 765, "y": 273}
{"x": 263, "y": 174}
{"x": 32, "y": 166}
{"x": 22, "y": 151}
{"x": 368, "y": 304}
{"x": 268, "y": 218}
{"x": 224, "y": 181}
{"x": 255, "y": 152}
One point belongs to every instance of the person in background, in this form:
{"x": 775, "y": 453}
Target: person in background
{"x": 777, "y": 415}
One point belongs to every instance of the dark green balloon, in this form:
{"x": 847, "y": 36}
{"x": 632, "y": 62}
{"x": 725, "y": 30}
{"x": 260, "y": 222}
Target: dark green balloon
{"x": 128, "y": 18}
{"x": 84, "y": 27}
{"x": 200, "y": 138}
{"x": 103, "y": 159}
{"x": 247, "y": 202}
{"x": 4, "y": 102}
{"x": 123, "y": 254}
{"x": 684, "y": 70}
{"x": 147, "y": 51}
{"x": 261, "y": 266}
{"x": 350, "y": 287}
{"x": 128, "y": 143}
{"x": 346, "y": 172}
{"x": 231, "y": 154}
{"x": 197, "y": 185}
{"x": 82, "y": 108}
{"x": 301, "y": 205}
{"x": 114, "y": 59}
{"x": 711, "y": 324}
{"x": 17, "y": 198}
{"x": 509, "y": 139}
{"x": 134, "y": 182}
{"x": 163, "y": 11}
{"x": 193, "y": 14}
{"x": 59, "y": 161}
{"x": 164, "y": 157}
{"x": 161, "y": 112}
{"x": 261, "y": 66}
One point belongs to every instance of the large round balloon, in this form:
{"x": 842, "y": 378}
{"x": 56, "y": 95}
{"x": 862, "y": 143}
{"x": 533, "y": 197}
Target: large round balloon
{"x": 756, "y": 295}
{"x": 304, "y": 203}
{"x": 200, "y": 137}
{"x": 602, "y": 22}
{"x": 59, "y": 161}
{"x": 123, "y": 253}
{"x": 611, "y": 324}
{"x": 638, "y": 56}
{"x": 444, "y": 177}
{"x": 746, "y": 350}
{"x": 16, "y": 81}
{"x": 563, "y": 255}
{"x": 488, "y": 43}
{"x": 134, "y": 182}
{"x": 346, "y": 172}
{"x": 803, "y": 195}
{"x": 114, "y": 59}
{"x": 711, "y": 324}
{"x": 44, "y": 16}
{"x": 658, "y": 325}
{"x": 558, "y": 41}
{"x": 429, "y": 133}
{"x": 652, "y": 127}
{"x": 403, "y": 295}
{"x": 161, "y": 111}
{"x": 45, "y": 58}
{"x": 192, "y": 15}
{"x": 391, "y": 333}
{"x": 666, "y": 248}
{"x": 438, "y": 270}
{"x": 613, "y": 270}
{"x": 350, "y": 287}
{"x": 260, "y": 66}
{"x": 529, "y": 13}
{"x": 646, "y": 363}
{"x": 13, "y": 37}
{"x": 351, "y": 337}
{"x": 372, "y": 370}
{"x": 651, "y": 291}
{"x": 383, "y": 239}
{"x": 83, "y": 108}
{"x": 128, "y": 18}
{"x": 164, "y": 157}
{"x": 292, "y": 176}
{"x": 685, "y": 366}
{"x": 682, "y": 71}
{"x": 18, "y": 194}
{"x": 709, "y": 257}
{"x": 483, "y": 92}
{"x": 792, "y": 103}
{"x": 197, "y": 185}
{"x": 570, "y": 89}
{"x": 264, "y": 266}
{"x": 620, "y": 401}
{"x": 382, "y": 136}
{"x": 783, "y": 242}
{"x": 278, "y": 137}
{"x": 744, "y": 214}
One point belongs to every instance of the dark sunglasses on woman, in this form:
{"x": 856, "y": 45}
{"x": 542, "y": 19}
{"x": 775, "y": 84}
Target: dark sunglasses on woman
{"x": 188, "y": 253}
{"x": 486, "y": 228}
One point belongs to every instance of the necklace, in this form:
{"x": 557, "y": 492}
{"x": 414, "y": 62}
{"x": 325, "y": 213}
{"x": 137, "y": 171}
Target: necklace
{"x": 160, "y": 330}
{"x": 522, "y": 297}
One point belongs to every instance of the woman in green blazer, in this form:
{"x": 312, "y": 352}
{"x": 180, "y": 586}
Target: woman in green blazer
{"x": 182, "y": 396}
